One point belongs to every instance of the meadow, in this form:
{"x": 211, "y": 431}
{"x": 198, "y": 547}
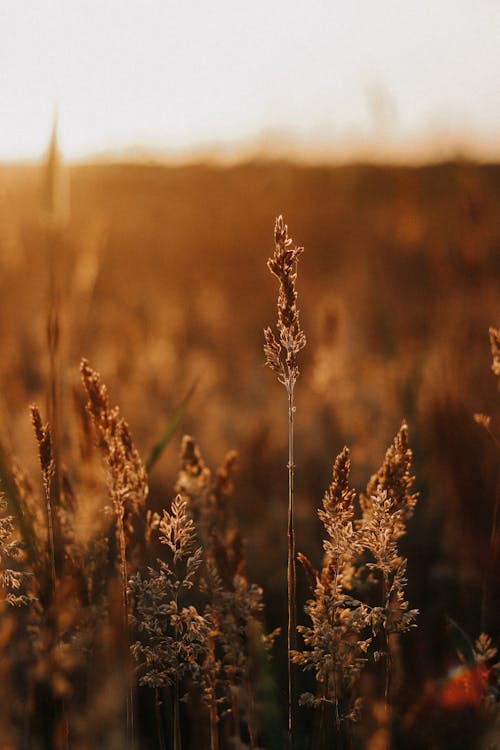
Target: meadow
{"x": 156, "y": 278}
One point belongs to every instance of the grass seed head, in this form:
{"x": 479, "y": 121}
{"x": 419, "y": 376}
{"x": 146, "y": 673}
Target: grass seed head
{"x": 281, "y": 351}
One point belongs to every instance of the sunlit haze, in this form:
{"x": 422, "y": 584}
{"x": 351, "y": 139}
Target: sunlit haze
{"x": 318, "y": 79}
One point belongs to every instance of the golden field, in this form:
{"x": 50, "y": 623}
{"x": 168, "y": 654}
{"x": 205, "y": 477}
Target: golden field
{"x": 157, "y": 276}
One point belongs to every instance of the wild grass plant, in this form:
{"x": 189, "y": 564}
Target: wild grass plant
{"x": 281, "y": 356}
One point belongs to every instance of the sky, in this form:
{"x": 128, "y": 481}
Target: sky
{"x": 320, "y": 78}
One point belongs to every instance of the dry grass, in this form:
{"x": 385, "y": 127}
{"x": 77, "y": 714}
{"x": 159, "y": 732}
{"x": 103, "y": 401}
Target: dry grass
{"x": 281, "y": 356}
{"x": 125, "y": 623}
{"x": 358, "y": 606}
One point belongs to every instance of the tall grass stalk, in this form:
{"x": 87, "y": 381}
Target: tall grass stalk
{"x": 281, "y": 356}
{"x": 128, "y": 489}
{"x": 47, "y": 464}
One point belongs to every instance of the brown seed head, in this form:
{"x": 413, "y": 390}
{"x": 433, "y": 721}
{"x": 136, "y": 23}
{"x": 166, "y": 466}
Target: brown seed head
{"x": 281, "y": 353}
{"x": 44, "y": 440}
{"x": 395, "y": 478}
{"x": 339, "y": 492}
{"x": 127, "y": 477}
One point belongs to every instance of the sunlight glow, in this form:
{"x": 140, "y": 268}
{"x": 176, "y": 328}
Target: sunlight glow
{"x": 313, "y": 77}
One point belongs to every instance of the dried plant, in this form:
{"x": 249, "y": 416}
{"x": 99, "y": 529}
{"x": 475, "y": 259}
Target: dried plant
{"x": 485, "y": 655}
{"x": 281, "y": 352}
{"x": 235, "y": 608}
{"x": 281, "y": 356}
{"x": 194, "y": 482}
{"x": 362, "y": 563}
{"x": 234, "y": 605}
{"x": 70, "y": 615}
{"x": 338, "y": 638}
{"x": 31, "y": 522}
{"x": 395, "y": 478}
{"x": 13, "y": 580}
{"x": 55, "y": 636}
{"x": 386, "y": 509}
{"x": 173, "y": 634}
{"x": 127, "y": 480}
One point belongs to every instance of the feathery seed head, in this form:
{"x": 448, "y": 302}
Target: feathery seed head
{"x": 127, "y": 477}
{"x": 338, "y": 491}
{"x": 395, "y": 478}
{"x": 281, "y": 353}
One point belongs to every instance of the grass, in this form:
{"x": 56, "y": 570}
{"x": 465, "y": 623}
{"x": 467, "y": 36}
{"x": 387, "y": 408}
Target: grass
{"x": 281, "y": 356}
{"x": 132, "y": 620}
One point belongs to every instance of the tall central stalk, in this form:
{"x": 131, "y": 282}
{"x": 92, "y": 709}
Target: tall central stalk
{"x": 292, "y": 617}
{"x": 281, "y": 356}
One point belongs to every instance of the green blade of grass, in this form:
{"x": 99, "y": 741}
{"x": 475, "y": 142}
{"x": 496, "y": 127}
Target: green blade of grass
{"x": 166, "y": 436}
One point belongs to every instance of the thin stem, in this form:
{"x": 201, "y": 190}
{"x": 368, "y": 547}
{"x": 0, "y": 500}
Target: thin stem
{"x": 53, "y": 481}
{"x": 214, "y": 734}
{"x": 159, "y": 721}
{"x": 50, "y": 530}
{"x": 251, "y": 715}
{"x": 54, "y": 349}
{"x": 281, "y": 356}
{"x": 388, "y": 664}
{"x": 291, "y": 578}
{"x": 177, "y": 720}
{"x": 235, "y": 711}
{"x": 320, "y": 726}
{"x": 54, "y": 407}
{"x": 388, "y": 674}
{"x": 335, "y": 681}
{"x": 123, "y": 570}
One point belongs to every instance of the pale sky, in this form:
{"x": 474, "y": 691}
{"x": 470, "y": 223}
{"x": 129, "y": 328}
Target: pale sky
{"x": 350, "y": 76}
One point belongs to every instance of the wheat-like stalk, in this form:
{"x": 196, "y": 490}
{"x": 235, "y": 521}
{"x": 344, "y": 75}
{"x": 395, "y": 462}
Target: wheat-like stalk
{"x": 127, "y": 481}
{"x": 47, "y": 464}
{"x": 281, "y": 356}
